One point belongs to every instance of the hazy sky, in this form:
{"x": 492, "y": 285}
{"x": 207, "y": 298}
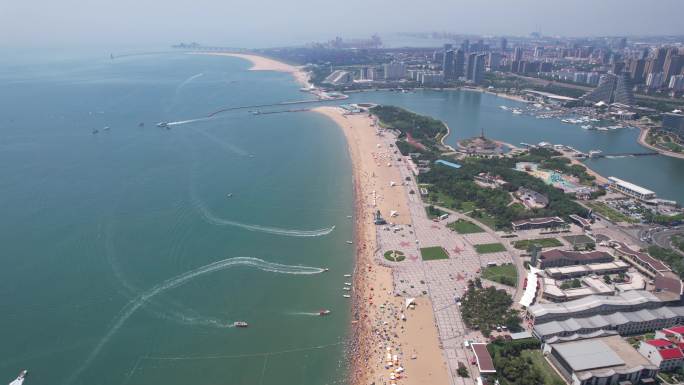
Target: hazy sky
{"x": 273, "y": 22}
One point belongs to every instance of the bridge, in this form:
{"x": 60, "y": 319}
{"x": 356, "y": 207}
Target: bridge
{"x": 625, "y": 154}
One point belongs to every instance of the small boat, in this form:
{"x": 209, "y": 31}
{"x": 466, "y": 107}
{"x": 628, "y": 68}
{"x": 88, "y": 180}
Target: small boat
{"x": 20, "y": 379}
{"x": 347, "y": 283}
{"x": 230, "y": 195}
{"x": 349, "y": 216}
{"x": 349, "y": 242}
{"x": 106, "y": 128}
{"x": 347, "y": 275}
{"x": 240, "y": 324}
{"x": 323, "y": 312}
{"x": 346, "y": 295}
{"x": 141, "y": 124}
{"x": 347, "y": 288}
{"x": 163, "y": 124}
{"x": 325, "y": 269}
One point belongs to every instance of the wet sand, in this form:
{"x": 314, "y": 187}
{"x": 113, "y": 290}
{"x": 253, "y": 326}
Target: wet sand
{"x": 376, "y": 311}
{"x": 261, "y": 63}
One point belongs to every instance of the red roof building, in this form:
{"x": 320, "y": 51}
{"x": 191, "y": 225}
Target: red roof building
{"x": 666, "y": 354}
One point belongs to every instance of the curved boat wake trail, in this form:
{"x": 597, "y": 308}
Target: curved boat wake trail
{"x": 179, "y": 280}
{"x": 213, "y": 219}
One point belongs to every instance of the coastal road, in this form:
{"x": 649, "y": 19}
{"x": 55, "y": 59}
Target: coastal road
{"x": 663, "y": 238}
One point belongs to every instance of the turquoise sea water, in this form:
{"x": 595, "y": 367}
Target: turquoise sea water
{"x": 467, "y": 112}
{"x": 108, "y": 238}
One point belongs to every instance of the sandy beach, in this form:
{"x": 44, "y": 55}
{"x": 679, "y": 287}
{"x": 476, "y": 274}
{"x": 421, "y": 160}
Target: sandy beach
{"x": 376, "y": 312}
{"x": 261, "y": 63}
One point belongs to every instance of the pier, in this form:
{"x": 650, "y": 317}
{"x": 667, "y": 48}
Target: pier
{"x": 226, "y": 109}
{"x": 624, "y": 154}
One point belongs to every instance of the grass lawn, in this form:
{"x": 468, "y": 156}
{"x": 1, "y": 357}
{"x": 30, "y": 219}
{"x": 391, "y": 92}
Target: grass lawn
{"x": 488, "y": 220}
{"x": 467, "y": 207}
{"x": 505, "y": 274}
{"x": 578, "y": 239}
{"x": 394, "y": 255}
{"x": 433, "y": 212}
{"x": 550, "y": 375}
{"x": 524, "y": 244}
{"x": 609, "y": 212}
{"x": 432, "y": 253}
{"x": 489, "y": 248}
{"x": 462, "y": 226}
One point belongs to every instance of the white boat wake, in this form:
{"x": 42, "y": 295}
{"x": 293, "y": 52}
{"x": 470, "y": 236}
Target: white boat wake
{"x": 181, "y": 122}
{"x": 213, "y": 219}
{"x": 179, "y": 280}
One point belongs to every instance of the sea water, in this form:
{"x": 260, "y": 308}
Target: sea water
{"x": 128, "y": 250}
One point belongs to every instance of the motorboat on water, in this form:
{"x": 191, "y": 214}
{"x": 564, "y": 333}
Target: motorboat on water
{"x": 346, "y": 295}
{"x": 349, "y": 242}
{"x": 347, "y": 284}
{"x": 347, "y": 288}
{"x": 240, "y": 324}
{"x": 324, "y": 312}
{"x": 163, "y": 124}
{"x": 230, "y": 195}
{"x": 20, "y": 379}
{"x": 325, "y": 269}
{"x": 347, "y": 275}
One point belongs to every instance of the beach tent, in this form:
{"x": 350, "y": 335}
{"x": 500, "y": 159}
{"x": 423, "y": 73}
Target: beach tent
{"x": 410, "y": 301}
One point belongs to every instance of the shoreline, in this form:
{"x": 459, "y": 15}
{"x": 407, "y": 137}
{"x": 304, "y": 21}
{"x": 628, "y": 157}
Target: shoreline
{"x": 374, "y": 290}
{"x": 262, "y": 63}
{"x": 643, "y": 134}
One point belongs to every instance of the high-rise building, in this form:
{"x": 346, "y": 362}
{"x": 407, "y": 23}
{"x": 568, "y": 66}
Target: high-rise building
{"x": 394, "y": 70}
{"x": 612, "y": 89}
{"x": 593, "y": 78}
{"x": 623, "y": 91}
{"x": 658, "y": 61}
{"x": 538, "y": 52}
{"x": 636, "y": 70}
{"x": 518, "y": 54}
{"x": 504, "y": 44}
{"x": 622, "y": 43}
{"x": 676, "y": 83}
{"x": 618, "y": 67}
{"x": 479, "y": 68}
{"x": 580, "y": 77}
{"x": 459, "y": 64}
{"x": 448, "y": 65}
{"x": 673, "y": 65}
{"x": 655, "y": 80}
{"x": 494, "y": 61}
{"x": 465, "y": 46}
{"x": 470, "y": 65}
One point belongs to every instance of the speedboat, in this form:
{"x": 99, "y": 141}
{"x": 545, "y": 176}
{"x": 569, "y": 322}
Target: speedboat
{"x": 347, "y": 288}
{"x": 106, "y": 128}
{"x": 346, "y": 295}
{"x": 349, "y": 242}
{"x": 163, "y": 124}
{"x": 347, "y": 275}
{"x": 20, "y": 380}
{"x": 325, "y": 269}
{"x": 230, "y": 195}
{"x": 323, "y": 312}
{"x": 347, "y": 284}
{"x": 240, "y": 324}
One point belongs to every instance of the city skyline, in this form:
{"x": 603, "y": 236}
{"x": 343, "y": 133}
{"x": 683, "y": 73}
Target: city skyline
{"x": 261, "y": 23}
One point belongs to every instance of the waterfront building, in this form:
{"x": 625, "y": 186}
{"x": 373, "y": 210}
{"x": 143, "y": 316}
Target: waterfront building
{"x": 630, "y": 189}
{"x": 605, "y": 360}
{"x": 612, "y": 89}
{"x": 624, "y": 323}
{"x": 575, "y": 271}
{"x": 663, "y": 353}
{"x": 339, "y": 77}
{"x": 503, "y": 44}
{"x": 538, "y": 52}
{"x": 448, "y": 65}
{"x": 479, "y": 68}
{"x": 470, "y": 65}
{"x": 560, "y": 258}
{"x": 627, "y": 301}
{"x": 494, "y": 61}
{"x": 459, "y": 64}
{"x": 538, "y": 223}
{"x": 465, "y": 46}
{"x": 394, "y": 70}
{"x": 431, "y": 78}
